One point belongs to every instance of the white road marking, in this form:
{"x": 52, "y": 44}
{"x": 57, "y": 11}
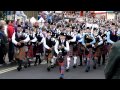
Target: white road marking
{"x": 7, "y": 70}
{"x": 15, "y": 67}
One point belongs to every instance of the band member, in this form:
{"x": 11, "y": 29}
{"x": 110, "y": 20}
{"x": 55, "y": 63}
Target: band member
{"x": 97, "y": 47}
{"x": 77, "y": 38}
{"x": 19, "y": 39}
{"x": 48, "y": 44}
{"x": 54, "y": 38}
{"x": 30, "y": 45}
{"x": 88, "y": 41}
{"x": 102, "y": 32}
{"x": 39, "y": 46}
{"x": 62, "y": 47}
{"x": 112, "y": 36}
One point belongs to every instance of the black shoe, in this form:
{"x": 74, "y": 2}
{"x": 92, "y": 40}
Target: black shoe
{"x": 35, "y": 64}
{"x": 29, "y": 65}
{"x": 87, "y": 69}
{"x": 25, "y": 66}
{"x": 48, "y": 69}
{"x": 40, "y": 61}
{"x": 61, "y": 78}
{"x": 52, "y": 66}
{"x": 19, "y": 68}
{"x": 67, "y": 70}
{"x": 94, "y": 66}
{"x": 74, "y": 66}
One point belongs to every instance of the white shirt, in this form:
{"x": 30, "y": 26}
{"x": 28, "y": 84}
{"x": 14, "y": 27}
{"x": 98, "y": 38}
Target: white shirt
{"x": 67, "y": 48}
{"x": 101, "y": 40}
{"x": 15, "y": 42}
{"x": 35, "y": 39}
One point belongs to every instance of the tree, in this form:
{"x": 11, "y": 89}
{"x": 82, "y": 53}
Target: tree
{"x": 2, "y": 14}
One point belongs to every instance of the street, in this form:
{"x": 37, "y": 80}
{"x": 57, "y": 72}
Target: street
{"x": 40, "y": 72}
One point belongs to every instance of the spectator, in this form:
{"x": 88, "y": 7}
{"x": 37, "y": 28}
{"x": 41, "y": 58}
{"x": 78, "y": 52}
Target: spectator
{"x": 11, "y": 45}
{"x": 3, "y": 43}
{"x": 112, "y": 69}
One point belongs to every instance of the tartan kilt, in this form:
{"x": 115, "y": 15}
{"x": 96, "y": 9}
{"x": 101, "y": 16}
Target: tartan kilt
{"x": 48, "y": 54}
{"x": 20, "y": 53}
{"x": 70, "y": 53}
{"x": 39, "y": 48}
{"x": 80, "y": 50}
{"x": 30, "y": 52}
{"x": 97, "y": 52}
{"x": 104, "y": 49}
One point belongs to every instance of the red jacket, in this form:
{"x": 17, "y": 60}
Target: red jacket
{"x": 10, "y": 30}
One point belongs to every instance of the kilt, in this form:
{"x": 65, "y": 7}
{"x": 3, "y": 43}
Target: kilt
{"x": 30, "y": 52}
{"x": 97, "y": 52}
{"x": 104, "y": 49}
{"x": 20, "y": 53}
{"x": 70, "y": 53}
{"x": 80, "y": 50}
{"x": 48, "y": 54}
{"x": 37, "y": 49}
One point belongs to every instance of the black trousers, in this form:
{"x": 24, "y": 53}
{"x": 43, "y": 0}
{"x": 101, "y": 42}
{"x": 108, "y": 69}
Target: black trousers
{"x": 11, "y": 51}
{"x": 1, "y": 58}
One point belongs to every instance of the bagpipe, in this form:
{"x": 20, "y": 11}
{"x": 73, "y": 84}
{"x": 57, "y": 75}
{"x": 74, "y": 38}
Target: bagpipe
{"x": 20, "y": 40}
{"x": 60, "y": 57}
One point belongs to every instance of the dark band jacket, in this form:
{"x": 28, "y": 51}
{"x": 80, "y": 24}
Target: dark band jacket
{"x": 39, "y": 38}
{"x": 31, "y": 38}
{"x": 20, "y": 38}
{"x": 88, "y": 39}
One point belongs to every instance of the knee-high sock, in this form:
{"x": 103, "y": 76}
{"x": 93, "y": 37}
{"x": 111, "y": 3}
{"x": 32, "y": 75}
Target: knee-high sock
{"x": 36, "y": 59}
{"x": 68, "y": 62}
{"x": 94, "y": 61}
{"x": 103, "y": 57}
{"x": 88, "y": 61}
{"x": 99, "y": 59}
{"x": 48, "y": 62}
{"x": 80, "y": 59}
{"x": 75, "y": 59}
{"x": 19, "y": 63}
{"x": 39, "y": 59}
{"x": 53, "y": 60}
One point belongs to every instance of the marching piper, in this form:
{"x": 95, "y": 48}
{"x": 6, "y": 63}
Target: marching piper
{"x": 48, "y": 44}
{"x": 97, "y": 47}
{"x": 31, "y": 45}
{"x": 62, "y": 47}
{"x": 19, "y": 39}
{"x": 88, "y": 41}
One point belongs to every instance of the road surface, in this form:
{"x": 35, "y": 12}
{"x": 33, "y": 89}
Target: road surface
{"x": 40, "y": 72}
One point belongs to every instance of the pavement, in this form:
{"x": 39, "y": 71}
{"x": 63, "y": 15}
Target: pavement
{"x": 40, "y": 72}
